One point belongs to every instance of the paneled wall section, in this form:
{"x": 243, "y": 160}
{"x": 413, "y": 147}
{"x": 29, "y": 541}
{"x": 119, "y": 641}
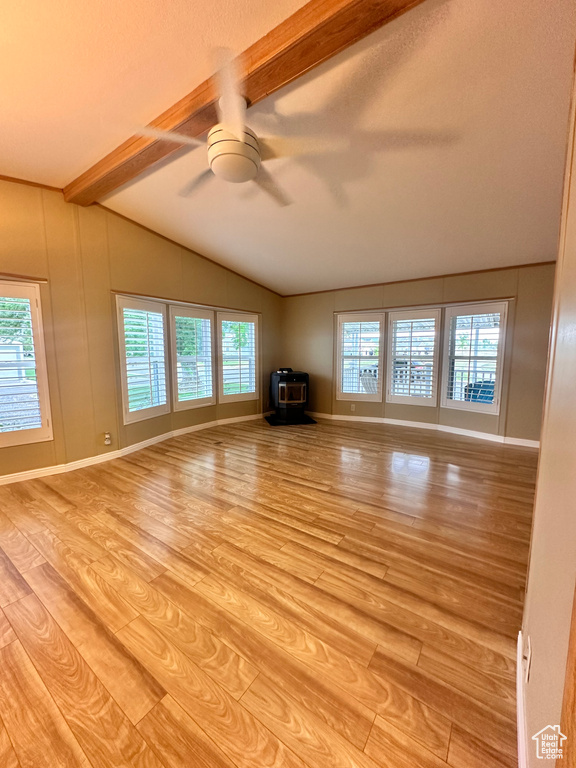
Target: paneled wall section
{"x": 309, "y": 327}
{"x": 84, "y": 255}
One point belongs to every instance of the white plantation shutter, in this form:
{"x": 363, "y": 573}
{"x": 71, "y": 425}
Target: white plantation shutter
{"x": 359, "y": 364}
{"x": 238, "y": 356}
{"x": 24, "y": 400}
{"x": 474, "y": 351}
{"x": 192, "y": 355}
{"x": 142, "y": 330}
{"x": 413, "y": 357}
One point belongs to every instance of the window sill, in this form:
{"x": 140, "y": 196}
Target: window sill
{"x": 24, "y": 437}
{"x": 427, "y": 402}
{"x": 190, "y": 405}
{"x": 238, "y": 398}
{"x": 133, "y": 417}
{"x": 359, "y": 398}
{"x": 489, "y": 410}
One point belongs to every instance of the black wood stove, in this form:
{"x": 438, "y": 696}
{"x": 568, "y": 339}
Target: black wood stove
{"x": 289, "y": 397}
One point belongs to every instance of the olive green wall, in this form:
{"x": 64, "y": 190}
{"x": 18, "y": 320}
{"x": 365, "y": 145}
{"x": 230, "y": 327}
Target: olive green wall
{"x": 85, "y": 254}
{"x": 309, "y": 329}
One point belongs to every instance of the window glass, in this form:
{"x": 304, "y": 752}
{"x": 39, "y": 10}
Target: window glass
{"x": 238, "y": 356}
{"x": 474, "y": 356}
{"x": 359, "y": 374}
{"x": 24, "y": 401}
{"x": 193, "y": 355}
{"x": 413, "y": 357}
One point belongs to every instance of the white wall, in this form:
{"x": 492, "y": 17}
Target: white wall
{"x": 552, "y": 570}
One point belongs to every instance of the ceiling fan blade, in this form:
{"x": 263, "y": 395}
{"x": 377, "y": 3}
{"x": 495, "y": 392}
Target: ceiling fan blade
{"x": 267, "y": 184}
{"x": 231, "y": 105}
{"x": 299, "y": 146}
{"x": 176, "y": 138}
{"x": 193, "y": 185}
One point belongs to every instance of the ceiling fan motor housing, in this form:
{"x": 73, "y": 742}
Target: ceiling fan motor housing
{"x": 231, "y": 159}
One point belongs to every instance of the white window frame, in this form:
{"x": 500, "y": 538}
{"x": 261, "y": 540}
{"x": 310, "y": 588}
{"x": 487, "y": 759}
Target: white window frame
{"x": 360, "y": 396}
{"x": 417, "y": 314}
{"x": 203, "y": 314}
{"x": 44, "y": 433}
{"x": 125, "y": 302}
{"x": 238, "y": 318}
{"x": 471, "y": 309}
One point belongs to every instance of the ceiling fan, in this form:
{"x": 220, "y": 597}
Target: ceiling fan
{"x": 235, "y": 153}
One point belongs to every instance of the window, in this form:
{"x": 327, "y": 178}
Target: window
{"x": 151, "y": 387}
{"x": 192, "y": 353}
{"x": 142, "y": 329}
{"x": 358, "y": 359}
{"x": 24, "y": 400}
{"x": 413, "y": 357}
{"x": 474, "y": 349}
{"x": 238, "y": 348}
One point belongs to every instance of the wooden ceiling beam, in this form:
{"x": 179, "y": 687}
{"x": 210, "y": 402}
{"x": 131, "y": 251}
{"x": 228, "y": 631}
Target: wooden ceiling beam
{"x": 315, "y": 33}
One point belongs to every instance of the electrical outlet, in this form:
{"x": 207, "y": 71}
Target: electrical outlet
{"x": 352, "y": 407}
{"x": 107, "y": 438}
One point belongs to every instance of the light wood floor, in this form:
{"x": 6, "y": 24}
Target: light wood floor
{"x": 325, "y": 596}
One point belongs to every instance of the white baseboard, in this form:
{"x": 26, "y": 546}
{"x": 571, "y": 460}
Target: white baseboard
{"x": 435, "y": 427}
{"x": 521, "y": 442}
{"x": 58, "y": 469}
{"x": 520, "y": 704}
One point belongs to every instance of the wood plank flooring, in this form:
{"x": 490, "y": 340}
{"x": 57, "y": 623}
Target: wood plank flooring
{"x": 324, "y": 596}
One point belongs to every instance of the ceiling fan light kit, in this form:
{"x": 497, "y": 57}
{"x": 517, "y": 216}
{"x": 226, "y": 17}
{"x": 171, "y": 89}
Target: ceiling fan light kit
{"x": 230, "y": 158}
{"x": 234, "y": 152}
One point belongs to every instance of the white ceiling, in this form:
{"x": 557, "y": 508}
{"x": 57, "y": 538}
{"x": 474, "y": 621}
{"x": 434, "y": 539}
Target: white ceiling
{"x": 77, "y": 76}
{"x": 448, "y": 127}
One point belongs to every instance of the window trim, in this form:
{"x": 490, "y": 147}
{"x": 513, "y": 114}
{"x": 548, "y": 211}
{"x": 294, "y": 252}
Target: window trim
{"x": 480, "y": 308}
{"x": 360, "y": 318}
{"x": 43, "y": 434}
{"x": 422, "y": 314}
{"x": 241, "y": 318}
{"x": 176, "y": 310}
{"x": 122, "y": 302}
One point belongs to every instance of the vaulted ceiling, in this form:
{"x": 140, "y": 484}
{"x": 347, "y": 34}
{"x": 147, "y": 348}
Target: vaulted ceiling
{"x": 437, "y": 144}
